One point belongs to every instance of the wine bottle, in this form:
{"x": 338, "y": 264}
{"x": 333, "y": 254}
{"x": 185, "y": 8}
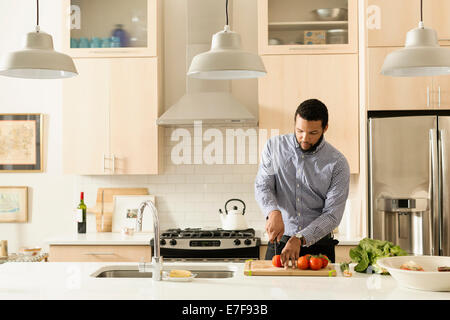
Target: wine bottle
{"x": 81, "y": 215}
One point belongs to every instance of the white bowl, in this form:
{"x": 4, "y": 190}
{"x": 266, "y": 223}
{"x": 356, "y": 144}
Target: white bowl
{"x": 430, "y": 279}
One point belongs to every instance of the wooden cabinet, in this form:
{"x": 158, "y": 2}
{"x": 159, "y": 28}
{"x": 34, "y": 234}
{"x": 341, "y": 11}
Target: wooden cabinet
{"x": 109, "y": 117}
{"x": 333, "y": 79}
{"x": 403, "y": 93}
{"x": 99, "y": 253}
{"x": 284, "y": 26}
{"x": 92, "y": 22}
{"x": 388, "y": 21}
{"x": 110, "y": 109}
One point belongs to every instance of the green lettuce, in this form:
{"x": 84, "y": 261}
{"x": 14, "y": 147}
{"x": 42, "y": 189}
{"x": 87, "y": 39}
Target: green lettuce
{"x": 369, "y": 251}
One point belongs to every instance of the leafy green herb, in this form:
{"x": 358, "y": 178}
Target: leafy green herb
{"x": 369, "y": 251}
{"x": 345, "y": 266}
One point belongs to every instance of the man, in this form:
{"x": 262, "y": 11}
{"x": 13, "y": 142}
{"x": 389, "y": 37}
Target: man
{"x": 302, "y": 186}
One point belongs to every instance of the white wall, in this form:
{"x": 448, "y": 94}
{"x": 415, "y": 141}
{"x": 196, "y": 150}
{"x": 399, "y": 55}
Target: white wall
{"x": 187, "y": 195}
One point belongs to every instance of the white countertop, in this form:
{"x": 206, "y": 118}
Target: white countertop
{"x": 57, "y": 280}
{"x": 102, "y": 238}
{"x": 116, "y": 238}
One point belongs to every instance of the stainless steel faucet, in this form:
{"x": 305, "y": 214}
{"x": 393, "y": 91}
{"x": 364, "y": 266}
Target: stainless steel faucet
{"x": 157, "y": 260}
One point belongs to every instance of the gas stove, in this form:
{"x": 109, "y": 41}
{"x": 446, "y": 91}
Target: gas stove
{"x": 209, "y": 244}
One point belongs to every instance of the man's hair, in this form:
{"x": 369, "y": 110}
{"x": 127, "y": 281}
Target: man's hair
{"x": 313, "y": 110}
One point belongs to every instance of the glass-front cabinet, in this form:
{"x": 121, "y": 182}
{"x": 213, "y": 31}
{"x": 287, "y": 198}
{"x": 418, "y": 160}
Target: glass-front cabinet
{"x": 307, "y": 26}
{"x": 111, "y": 28}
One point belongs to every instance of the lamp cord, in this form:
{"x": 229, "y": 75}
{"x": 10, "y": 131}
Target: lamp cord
{"x": 226, "y": 10}
{"x": 421, "y": 9}
{"x": 37, "y": 15}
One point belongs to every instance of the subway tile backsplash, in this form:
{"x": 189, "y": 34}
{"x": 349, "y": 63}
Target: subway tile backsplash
{"x": 187, "y": 195}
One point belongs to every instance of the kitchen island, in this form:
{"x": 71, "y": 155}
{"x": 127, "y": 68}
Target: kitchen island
{"x": 61, "y": 281}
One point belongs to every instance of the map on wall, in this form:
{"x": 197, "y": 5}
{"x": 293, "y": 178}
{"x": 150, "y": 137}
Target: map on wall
{"x": 21, "y": 142}
{"x": 17, "y": 142}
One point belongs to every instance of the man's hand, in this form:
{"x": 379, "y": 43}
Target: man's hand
{"x": 275, "y": 226}
{"x": 291, "y": 252}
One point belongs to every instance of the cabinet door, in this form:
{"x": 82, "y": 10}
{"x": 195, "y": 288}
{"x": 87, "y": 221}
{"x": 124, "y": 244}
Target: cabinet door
{"x": 99, "y": 253}
{"x": 333, "y": 79}
{"x": 435, "y": 14}
{"x": 293, "y": 27}
{"x": 395, "y": 93}
{"x": 388, "y": 21}
{"x": 89, "y": 25}
{"x": 85, "y": 120}
{"x": 134, "y": 110}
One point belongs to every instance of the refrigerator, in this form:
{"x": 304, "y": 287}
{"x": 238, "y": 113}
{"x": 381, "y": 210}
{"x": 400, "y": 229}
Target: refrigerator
{"x": 409, "y": 180}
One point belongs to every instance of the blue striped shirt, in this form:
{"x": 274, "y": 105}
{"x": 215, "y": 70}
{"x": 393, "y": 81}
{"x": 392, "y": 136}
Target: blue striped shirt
{"x": 309, "y": 188}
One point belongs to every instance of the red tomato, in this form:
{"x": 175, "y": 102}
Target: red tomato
{"x": 276, "y": 261}
{"x": 303, "y": 263}
{"x": 315, "y": 263}
{"x": 324, "y": 259}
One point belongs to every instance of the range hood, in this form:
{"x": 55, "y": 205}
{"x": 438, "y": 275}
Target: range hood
{"x": 209, "y": 101}
{"x": 219, "y": 108}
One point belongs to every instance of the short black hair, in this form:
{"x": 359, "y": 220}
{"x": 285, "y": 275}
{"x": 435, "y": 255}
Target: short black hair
{"x": 313, "y": 110}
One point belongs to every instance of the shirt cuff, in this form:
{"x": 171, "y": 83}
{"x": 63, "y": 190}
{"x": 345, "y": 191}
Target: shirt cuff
{"x": 309, "y": 238}
{"x": 268, "y": 210}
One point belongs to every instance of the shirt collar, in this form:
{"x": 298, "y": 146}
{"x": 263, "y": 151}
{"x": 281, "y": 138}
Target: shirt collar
{"x": 297, "y": 145}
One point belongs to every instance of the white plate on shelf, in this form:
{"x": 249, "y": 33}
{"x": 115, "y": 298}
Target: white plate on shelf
{"x": 166, "y": 276}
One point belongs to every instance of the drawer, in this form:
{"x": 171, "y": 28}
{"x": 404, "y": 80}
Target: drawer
{"x": 100, "y": 253}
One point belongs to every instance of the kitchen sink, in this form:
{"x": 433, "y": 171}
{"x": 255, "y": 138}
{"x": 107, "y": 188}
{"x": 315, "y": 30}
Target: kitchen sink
{"x": 133, "y": 272}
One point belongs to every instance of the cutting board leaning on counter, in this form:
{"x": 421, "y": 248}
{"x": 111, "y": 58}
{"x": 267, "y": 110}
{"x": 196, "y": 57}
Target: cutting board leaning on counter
{"x": 301, "y": 186}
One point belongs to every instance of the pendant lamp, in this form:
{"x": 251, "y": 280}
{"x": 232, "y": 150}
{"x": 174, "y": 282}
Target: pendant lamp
{"x": 38, "y": 60}
{"x": 226, "y": 60}
{"x": 421, "y": 56}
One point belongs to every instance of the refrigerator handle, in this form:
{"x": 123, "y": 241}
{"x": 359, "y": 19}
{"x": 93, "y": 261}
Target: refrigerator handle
{"x": 435, "y": 190}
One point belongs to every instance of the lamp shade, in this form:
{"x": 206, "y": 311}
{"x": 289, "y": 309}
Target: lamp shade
{"x": 37, "y": 60}
{"x": 421, "y": 56}
{"x": 226, "y": 60}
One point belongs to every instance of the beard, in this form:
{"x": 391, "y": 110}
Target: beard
{"x": 313, "y": 147}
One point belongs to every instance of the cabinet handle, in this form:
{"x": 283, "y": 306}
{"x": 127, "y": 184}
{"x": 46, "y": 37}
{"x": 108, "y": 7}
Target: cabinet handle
{"x": 439, "y": 99}
{"x": 99, "y": 253}
{"x": 114, "y": 163}
{"x": 428, "y": 96}
{"x": 104, "y": 158}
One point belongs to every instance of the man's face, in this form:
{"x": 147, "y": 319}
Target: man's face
{"x": 307, "y": 132}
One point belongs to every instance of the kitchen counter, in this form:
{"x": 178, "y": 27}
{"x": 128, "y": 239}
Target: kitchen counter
{"x": 102, "y": 238}
{"x": 116, "y": 238}
{"x": 73, "y": 281}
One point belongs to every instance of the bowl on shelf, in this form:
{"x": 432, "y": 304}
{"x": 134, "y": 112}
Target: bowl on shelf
{"x": 337, "y": 36}
{"x": 331, "y": 14}
{"x": 429, "y": 280}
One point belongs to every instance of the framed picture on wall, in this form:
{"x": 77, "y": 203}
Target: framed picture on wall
{"x": 21, "y": 142}
{"x": 13, "y": 204}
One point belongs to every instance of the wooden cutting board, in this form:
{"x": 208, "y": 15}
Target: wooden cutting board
{"x": 265, "y": 268}
{"x": 108, "y": 205}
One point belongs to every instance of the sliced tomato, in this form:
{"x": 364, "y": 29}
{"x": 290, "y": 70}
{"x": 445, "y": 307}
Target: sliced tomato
{"x": 276, "y": 261}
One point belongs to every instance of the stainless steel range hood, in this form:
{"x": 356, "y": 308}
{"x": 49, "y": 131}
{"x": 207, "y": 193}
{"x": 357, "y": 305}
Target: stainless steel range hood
{"x": 209, "y": 101}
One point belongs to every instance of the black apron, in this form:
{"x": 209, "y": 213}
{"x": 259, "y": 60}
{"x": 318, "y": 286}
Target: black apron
{"x": 323, "y": 246}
